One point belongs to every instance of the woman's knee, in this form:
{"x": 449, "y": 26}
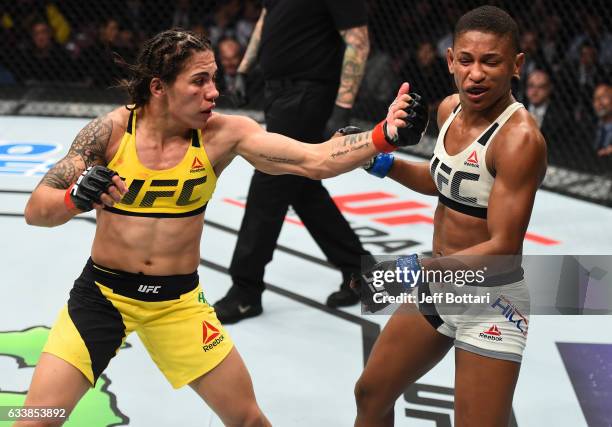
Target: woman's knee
{"x": 367, "y": 397}
{"x": 374, "y": 408}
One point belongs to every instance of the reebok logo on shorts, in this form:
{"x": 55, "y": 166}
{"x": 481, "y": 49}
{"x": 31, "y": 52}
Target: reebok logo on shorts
{"x": 491, "y": 334}
{"x": 211, "y": 337}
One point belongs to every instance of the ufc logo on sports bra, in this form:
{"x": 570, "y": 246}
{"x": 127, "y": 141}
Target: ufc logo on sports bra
{"x": 442, "y": 176}
{"x": 162, "y": 188}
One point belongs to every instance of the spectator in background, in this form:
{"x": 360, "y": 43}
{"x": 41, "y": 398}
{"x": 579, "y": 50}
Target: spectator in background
{"x": 538, "y": 103}
{"x": 126, "y": 42}
{"x": 97, "y": 61}
{"x": 21, "y": 15}
{"x": 595, "y": 35}
{"x": 58, "y": 23}
{"x": 230, "y": 55}
{"x": 533, "y": 59}
{"x": 550, "y": 43}
{"x": 7, "y": 51}
{"x": 44, "y": 59}
{"x": 184, "y": 14}
{"x": 580, "y": 79}
{"x": 550, "y": 116}
{"x": 224, "y": 21}
{"x": 246, "y": 24}
{"x": 140, "y": 17}
{"x": 432, "y": 78}
{"x": 602, "y": 104}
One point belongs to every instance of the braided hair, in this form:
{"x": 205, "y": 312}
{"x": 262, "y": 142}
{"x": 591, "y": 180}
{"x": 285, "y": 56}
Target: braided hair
{"x": 162, "y": 56}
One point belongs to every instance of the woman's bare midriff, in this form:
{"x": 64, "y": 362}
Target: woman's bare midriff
{"x": 455, "y": 231}
{"x": 153, "y": 246}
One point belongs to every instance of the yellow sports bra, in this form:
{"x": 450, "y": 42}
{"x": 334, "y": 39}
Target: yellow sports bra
{"x": 183, "y": 190}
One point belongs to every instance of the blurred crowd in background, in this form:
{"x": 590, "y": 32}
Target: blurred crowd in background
{"x": 565, "y": 81}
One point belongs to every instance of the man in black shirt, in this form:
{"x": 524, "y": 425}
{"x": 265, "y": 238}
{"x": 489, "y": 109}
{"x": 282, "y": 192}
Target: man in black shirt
{"x": 312, "y": 54}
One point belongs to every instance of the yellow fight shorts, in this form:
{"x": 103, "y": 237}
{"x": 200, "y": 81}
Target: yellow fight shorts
{"x": 169, "y": 313}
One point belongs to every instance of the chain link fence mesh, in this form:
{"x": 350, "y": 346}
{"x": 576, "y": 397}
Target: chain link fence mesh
{"x": 56, "y": 58}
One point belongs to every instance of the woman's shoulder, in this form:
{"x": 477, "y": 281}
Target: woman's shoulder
{"x": 120, "y": 116}
{"x": 446, "y": 107}
{"x": 229, "y": 126}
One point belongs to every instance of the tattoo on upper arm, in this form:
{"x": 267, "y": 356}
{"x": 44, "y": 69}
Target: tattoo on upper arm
{"x": 353, "y": 66}
{"x": 87, "y": 149}
{"x": 350, "y": 143}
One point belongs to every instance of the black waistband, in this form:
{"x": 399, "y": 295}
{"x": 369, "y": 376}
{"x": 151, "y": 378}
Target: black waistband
{"x": 141, "y": 286}
{"x": 460, "y": 207}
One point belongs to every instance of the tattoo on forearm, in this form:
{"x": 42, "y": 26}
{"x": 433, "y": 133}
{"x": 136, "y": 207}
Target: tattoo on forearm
{"x": 350, "y": 143}
{"x": 251, "y": 52}
{"x": 352, "y": 139}
{"x": 278, "y": 159}
{"x": 339, "y": 153}
{"x": 353, "y": 66}
{"x": 87, "y": 149}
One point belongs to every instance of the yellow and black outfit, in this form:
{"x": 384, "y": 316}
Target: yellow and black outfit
{"x": 170, "y": 314}
{"x": 183, "y": 190}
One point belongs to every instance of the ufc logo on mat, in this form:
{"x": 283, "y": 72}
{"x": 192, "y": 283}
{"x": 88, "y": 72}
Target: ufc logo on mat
{"x": 149, "y": 289}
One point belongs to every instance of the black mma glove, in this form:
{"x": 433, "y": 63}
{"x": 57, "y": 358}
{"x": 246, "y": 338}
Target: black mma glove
{"x": 339, "y": 119}
{"x": 387, "y": 278}
{"x": 93, "y": 182}
{"x": 240, "y": 90}
{"x": 388, "y": 137}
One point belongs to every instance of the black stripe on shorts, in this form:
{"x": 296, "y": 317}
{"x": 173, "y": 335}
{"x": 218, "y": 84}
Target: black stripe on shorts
{"x": 98, "y": 321}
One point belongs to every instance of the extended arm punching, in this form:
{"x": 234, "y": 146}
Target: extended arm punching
{"x": 277, "y": 154}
